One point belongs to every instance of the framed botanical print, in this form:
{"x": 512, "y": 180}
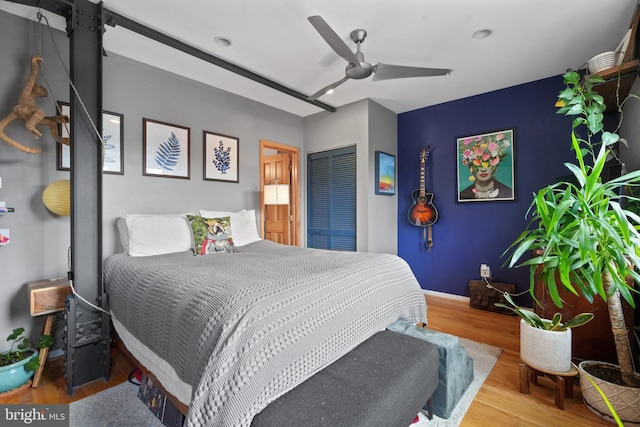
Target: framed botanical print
{"x": 112, "y": 136}
{"x": 221, "y": 157}
{"x": 166, "y": 150}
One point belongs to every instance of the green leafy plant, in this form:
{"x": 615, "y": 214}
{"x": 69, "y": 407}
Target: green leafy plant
{"x": 582, "y": 237}
{"x": 23, "y": 349}
{"x": 534, "y": 320}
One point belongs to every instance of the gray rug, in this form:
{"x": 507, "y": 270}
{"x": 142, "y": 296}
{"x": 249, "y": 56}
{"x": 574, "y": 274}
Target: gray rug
{"x": 117, "y": 406}
{"x": 120, "y": 406}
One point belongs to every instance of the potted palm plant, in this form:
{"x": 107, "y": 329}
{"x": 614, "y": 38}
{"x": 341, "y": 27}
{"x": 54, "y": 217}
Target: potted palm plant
{"x": 18, "y": 364}
{"x": 584, "y": 240}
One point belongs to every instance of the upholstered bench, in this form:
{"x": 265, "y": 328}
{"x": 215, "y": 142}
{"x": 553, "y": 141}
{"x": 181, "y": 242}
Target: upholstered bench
{"x": 383, "y": 382}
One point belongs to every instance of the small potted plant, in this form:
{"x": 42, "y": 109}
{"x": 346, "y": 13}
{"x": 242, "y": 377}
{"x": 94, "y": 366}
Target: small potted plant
{"x": 545, "y": 344}
{"x": 18, "y": 364}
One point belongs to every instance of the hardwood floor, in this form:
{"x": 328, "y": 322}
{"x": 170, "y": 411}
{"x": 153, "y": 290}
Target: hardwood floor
{"x": 498, "y": 403}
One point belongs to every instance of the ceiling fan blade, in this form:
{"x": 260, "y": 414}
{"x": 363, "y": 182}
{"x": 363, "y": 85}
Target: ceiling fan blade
{"x": 336, "y": 43}
{"x": 325, "y": 89}
{"x": 386, "y": 72}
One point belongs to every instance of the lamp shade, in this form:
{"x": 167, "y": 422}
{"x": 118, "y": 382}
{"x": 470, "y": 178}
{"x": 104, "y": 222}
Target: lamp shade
{"x": 57, "y": 197}
{"x": 276, "y": 194}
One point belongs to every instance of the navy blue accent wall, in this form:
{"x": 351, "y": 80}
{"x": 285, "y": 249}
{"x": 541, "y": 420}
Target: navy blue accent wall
{"x": 469, "y": 234}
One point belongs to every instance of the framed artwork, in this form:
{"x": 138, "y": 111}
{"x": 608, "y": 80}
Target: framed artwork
{"x": 112, "y": 134}
{"x": 486, "y": 167}
{"x": 385, "y": 174}
{"x": 166, "y": 150}
{"x": 221, "y": 156}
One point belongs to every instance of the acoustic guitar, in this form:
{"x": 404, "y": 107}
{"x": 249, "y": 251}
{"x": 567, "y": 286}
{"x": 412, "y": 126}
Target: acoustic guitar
{"x": 422, "y": 212}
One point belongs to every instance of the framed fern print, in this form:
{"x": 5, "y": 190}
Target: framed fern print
{"x": 221, "y": 156}
{"x": 112, "y": 135}
{"x": 166, "y": 150}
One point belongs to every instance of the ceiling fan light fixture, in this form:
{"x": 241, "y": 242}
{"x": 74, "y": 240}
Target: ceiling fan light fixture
{"x": 222, "y": 41}
{"x": 482, "y": 33}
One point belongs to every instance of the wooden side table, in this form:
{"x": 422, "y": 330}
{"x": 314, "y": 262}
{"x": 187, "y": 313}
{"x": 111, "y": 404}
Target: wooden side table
{"x": 47, "y": 297}
{"x": 562, "y": 380}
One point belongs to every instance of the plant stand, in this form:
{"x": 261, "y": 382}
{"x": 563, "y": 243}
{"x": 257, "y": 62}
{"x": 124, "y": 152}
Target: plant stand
{"x": 563, "y": 381}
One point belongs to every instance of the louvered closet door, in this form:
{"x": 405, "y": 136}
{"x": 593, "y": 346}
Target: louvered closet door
{"x": 331, "y": 199}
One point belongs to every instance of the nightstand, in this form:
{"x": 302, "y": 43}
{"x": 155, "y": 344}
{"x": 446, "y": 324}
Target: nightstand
{"x": 47, "y": 297}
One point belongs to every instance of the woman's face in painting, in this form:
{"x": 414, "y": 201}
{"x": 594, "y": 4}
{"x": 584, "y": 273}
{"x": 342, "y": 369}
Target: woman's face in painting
{"x": 483, "y": 174}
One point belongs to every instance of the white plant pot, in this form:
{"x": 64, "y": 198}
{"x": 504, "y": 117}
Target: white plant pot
{"x": 625, "y": 400}
{"x": 545, "y": 350}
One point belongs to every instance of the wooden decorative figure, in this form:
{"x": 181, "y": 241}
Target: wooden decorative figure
{"x": 28, "y": 111}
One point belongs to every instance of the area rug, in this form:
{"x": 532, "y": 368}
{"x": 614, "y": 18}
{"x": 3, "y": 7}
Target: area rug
{"x": 117, "y": 406}
{"x": 120, "y": 406}
{"x": 484, "y": 358}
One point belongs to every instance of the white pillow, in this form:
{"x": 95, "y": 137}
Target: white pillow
{"x": 121, "y": 224}
{"x": 243, "y": 225}
{"x": 156, "y": 234}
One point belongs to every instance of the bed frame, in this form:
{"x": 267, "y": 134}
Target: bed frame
{"x": 174, "y": 400}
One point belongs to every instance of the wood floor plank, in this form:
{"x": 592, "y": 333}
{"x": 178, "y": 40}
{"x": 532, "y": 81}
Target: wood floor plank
{"x": 498, "y": 402}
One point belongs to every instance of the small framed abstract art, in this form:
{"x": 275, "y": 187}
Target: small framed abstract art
{"x": 385, "y": 174}
{"x": 221, "y": 156}
{"x": 112, "y": 135}
{"x": 166, "y": 150}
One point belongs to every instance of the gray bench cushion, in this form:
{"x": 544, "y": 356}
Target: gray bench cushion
{"x": 383, "y": 382}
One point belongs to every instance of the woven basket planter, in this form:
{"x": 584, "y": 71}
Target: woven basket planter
{"x": 602, "y": 61}
{"x": 625, "y": 400}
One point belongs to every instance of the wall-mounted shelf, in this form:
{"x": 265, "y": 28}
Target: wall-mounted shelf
{"x": 618, "y": 80}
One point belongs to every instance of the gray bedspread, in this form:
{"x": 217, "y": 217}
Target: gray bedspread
{"x": 243, "y": 328}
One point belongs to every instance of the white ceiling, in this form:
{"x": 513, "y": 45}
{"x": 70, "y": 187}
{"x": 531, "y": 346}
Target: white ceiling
{"x": 532, "y": 40}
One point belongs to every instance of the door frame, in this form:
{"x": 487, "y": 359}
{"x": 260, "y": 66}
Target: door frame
{"x": 294, "y": 195}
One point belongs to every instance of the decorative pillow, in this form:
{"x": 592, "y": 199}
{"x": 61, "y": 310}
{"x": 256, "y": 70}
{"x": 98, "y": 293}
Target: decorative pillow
{"x": 243, "y": 225}
{"x": 211, "y": 235}
{"x": 148, "y": 234}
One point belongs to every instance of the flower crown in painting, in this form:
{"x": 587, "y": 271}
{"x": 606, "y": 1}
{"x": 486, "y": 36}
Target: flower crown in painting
{"x": 483, "y": 150}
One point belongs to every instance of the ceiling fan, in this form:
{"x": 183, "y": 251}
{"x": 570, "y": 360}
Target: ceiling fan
{"x": 357, "y": 67}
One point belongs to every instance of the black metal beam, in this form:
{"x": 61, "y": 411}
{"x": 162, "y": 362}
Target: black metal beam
{"x": 63, "y": 8}
{"x": 88, "y": 334}
{"x": 113, "y": 19}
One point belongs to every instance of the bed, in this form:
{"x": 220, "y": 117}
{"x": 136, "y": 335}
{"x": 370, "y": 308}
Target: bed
{"x": 229, "y": 332}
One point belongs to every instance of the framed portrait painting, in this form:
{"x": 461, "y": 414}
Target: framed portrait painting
{"x": 112, "y": 135}
{"x": 166, "y": 150}
{"x": 385, "y": 180}
{"x": 221, "y": 156}
{"x": 485, "y": 166}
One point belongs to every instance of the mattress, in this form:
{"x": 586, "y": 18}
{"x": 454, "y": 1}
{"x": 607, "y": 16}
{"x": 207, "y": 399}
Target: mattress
{"x": 243, "y": 328}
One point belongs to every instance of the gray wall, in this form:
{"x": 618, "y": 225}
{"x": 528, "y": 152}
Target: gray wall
{"x": 369, "y": 127}
{"x": 40, "y": 239}
{"x": 382, "y": 212}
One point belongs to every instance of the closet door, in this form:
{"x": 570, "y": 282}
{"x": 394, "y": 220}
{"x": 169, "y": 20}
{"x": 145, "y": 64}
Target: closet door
{"x": 331, "y": 199}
